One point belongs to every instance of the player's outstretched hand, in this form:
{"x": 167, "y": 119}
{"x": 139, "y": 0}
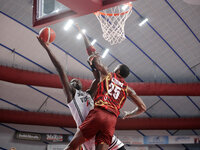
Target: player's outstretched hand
{"x": 128, "y": 114}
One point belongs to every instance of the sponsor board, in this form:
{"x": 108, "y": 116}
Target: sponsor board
{"x": 140, "y": 140}
{"x": 183, "y": 139}
{"x": 28, "y": 136}
{"x": 131, "y": 140}
{"x": 56, "y": 146}
{"x": 155, "y": 139}
{"x": 54, "y": 137}
{"x": 45, "y": 137}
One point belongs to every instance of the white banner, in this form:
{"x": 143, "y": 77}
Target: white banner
{"x": 132, "y": 140}
{"x": 56, "y": 146}
{"x": 136, "y": 148}
{"x": 184, "y": 139}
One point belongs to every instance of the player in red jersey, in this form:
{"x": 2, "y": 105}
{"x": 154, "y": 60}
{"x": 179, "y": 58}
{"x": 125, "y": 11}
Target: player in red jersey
{"x": 111, "y": 95}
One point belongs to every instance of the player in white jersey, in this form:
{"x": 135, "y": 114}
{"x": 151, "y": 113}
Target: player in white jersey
{"x": 80, "y": 102}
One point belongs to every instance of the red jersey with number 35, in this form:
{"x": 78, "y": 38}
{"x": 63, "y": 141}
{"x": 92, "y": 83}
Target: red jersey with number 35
{"x": 111, "y": 93}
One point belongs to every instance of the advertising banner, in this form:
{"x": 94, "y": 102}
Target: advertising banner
{"x": 45, "y": 137}
{"x": 156, "y": 139}
{"x": 184, "y": 139}
{"x": 140, "y": 140}
{"x": 130, "y": 140}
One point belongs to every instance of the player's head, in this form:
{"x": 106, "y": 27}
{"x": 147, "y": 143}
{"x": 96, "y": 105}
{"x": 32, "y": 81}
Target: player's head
{"x": 122, "y": 70}
{"x": 76, "y": 84}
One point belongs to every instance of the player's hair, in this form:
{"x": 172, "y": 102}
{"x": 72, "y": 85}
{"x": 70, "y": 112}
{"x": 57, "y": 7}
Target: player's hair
{"x": 124, "y": 70}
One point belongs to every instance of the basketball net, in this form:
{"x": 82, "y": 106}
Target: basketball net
{"x": 112, "y": 22}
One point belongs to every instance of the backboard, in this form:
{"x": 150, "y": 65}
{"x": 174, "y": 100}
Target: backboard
{"x": 47, "y": 12}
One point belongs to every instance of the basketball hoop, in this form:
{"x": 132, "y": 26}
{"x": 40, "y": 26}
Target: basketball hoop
{"x": 113, "y": 21}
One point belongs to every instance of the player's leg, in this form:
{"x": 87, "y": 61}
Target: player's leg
{"x": 104, "y": 137}
{"x": 102, "y": 140}
{"x": 102, "y": 146}
{"x": 77, "y": 140}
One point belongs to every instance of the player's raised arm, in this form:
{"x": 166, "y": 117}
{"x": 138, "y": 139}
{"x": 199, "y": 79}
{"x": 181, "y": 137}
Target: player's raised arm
{"x": 93, "y": 88}
{"x": 94, "y": 59}
{"x": 90, "y": 49}
{"x": 63, "y": 77}
{"x": 141, "y": 107}
{"x": 98, "y": 65}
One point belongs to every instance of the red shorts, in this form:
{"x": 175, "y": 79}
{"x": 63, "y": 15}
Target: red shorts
{"x": 101, "y": 123}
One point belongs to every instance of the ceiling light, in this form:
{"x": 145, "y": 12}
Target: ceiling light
{"x": 79, "y": 36}
{"x": 93, "y": 42}
{"x": 84, "y": 31}
{"x": 143, "y": 22}
{"x": 105, "y": 53}
{"x": 124, "y": 7}
{"x": 68, "y": 24}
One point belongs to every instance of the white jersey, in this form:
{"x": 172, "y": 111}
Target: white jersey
{"x": 80, "y": 107}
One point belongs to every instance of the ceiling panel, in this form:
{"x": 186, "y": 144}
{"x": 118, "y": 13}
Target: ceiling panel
{"x": 183, "y": 106}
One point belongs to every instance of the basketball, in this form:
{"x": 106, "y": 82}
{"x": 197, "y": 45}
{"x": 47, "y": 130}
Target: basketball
{"x": 47, "y": 35}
